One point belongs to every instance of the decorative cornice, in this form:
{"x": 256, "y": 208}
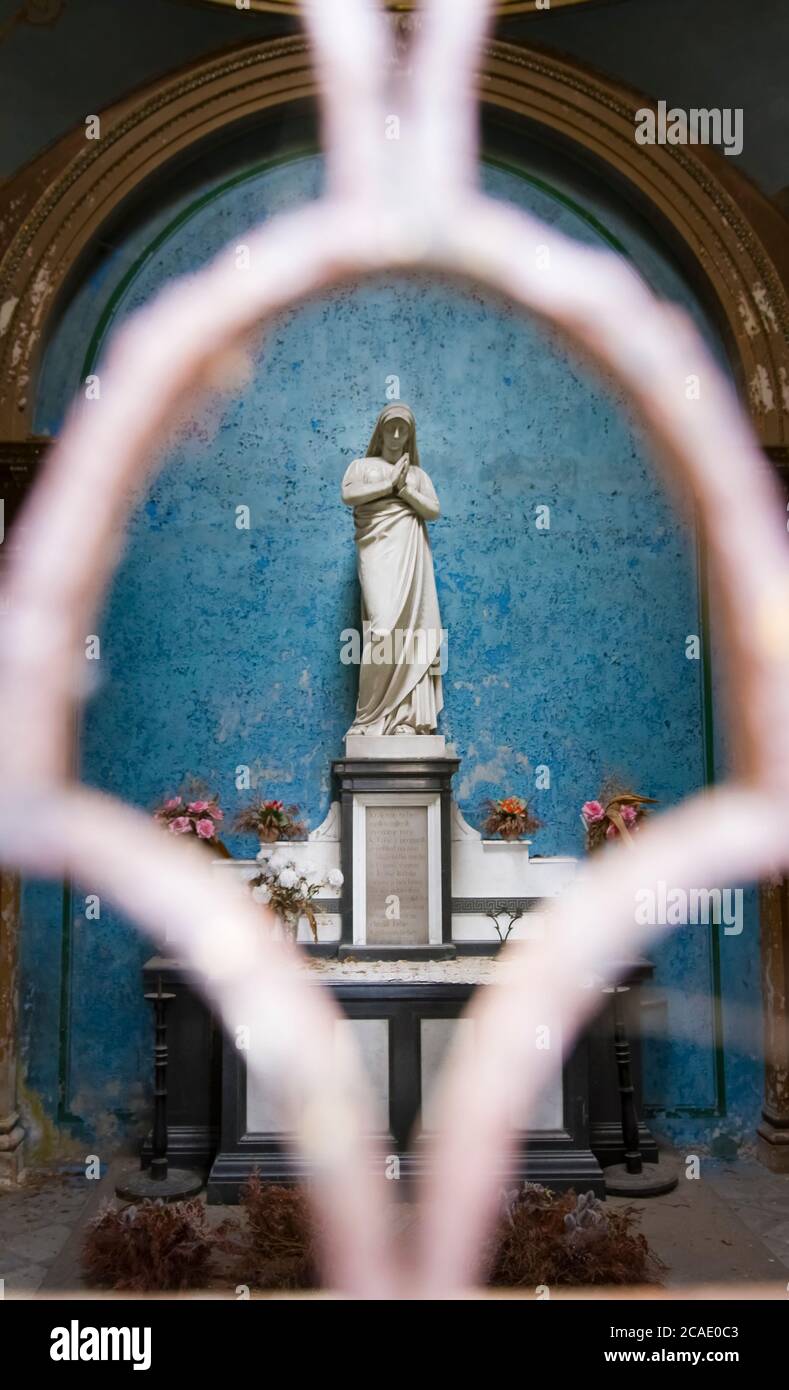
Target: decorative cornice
{"x": 733, "y": 237}
{"x": 481, "y": 907}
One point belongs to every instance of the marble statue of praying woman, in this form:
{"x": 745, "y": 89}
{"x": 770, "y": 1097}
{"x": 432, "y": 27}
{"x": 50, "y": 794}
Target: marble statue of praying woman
{"x": 392, "y": 499}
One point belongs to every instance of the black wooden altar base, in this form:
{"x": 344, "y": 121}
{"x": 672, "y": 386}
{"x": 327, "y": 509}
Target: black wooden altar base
{"x": 558, "y": 1158}
{"x": 207, "y": 1088}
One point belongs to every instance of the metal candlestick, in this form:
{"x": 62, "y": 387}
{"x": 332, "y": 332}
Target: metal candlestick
{"x": 159, "y": 1180}
{"x": 634, "y": 1177}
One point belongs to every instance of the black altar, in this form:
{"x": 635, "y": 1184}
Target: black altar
{"x": 208, "y": 1088}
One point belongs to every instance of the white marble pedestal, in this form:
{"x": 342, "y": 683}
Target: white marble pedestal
{"x": 397, "y": 746}
{"x": 498, "y": 888}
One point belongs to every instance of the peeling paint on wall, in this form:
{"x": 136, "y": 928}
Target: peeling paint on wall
{"x": 765, "y": 308}
{"x": 6, "y": 313}
{"x": 761, "y": 391}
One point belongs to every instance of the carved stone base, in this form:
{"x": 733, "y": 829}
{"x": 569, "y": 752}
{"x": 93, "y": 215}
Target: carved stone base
{"x": 12, "y": 1151}
{"x": 772, "y": 1135}
{"x": 772, "y": 1147}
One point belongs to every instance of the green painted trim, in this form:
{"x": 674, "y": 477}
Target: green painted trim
{"x": 64, "y": 1116}
{"x": 702, "y": 579}
{"x": 110, "y": 310}
{"x": 708, "y": 724}
{"x": 510, "y": 166}
{"x": 719, "y": 1109}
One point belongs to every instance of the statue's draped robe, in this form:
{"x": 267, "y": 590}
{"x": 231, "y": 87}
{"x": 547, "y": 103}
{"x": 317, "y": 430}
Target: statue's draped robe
{"x": 399, "y": 680}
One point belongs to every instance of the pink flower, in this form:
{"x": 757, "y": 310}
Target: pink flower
{"x": 206, "y": 829}
{"x": 199, "y": 805}
{"x": 628, "y": 814}
{"x": 592, "y": 812}
{"x": 181, "y": 825}
{"x": 216, "y": 812}
{"x": 172, "y": 803}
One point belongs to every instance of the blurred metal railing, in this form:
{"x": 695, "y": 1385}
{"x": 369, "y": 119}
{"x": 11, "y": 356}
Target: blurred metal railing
{"x": 409, "y": 203}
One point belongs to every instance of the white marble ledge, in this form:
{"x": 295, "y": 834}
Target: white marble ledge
{"x": 464, "y": 970}
{"x": 480, "y": 868}
{"x": 397, "y": 746}
{"x": 502, "y": 869}
{"x": 322, "y": 854}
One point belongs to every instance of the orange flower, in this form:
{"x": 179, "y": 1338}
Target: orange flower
{"x": 513, "y": 806}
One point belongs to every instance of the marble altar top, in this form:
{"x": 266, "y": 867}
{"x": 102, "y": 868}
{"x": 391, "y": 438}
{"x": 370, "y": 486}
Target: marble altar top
{"x": 463, "y": 970}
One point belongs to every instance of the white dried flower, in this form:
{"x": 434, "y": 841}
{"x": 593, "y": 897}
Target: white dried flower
{"x": 262, "y": 894}
{"x": 288, "y": 878}
{"x": 335, "y": 878}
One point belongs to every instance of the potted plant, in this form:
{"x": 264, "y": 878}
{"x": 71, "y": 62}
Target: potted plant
{"x": 194, "y": 813}
{"x": 270, "y": 821}
{"x": 509, "y": 817}
{"x": 289, "y": 891}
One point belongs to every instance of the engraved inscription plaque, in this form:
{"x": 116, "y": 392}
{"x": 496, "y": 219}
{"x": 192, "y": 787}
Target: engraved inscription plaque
{"x": 396, "y": 866}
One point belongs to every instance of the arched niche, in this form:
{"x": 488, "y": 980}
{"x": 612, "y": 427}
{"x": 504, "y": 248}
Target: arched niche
{"x": 730, "y": 239}
{"x": 725, "y": 237}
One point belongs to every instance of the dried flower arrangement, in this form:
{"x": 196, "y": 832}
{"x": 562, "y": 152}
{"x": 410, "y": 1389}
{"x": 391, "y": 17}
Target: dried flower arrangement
{"x": 150, "y": 1246}
{"x": 194, "y": 812}
{"x": 270, "y": 821}
{"x": 289, "y": 890}
{"x": 560, "y": 1238}
{"x": 156, "y": 1246}
{"x": 509, "y": 817}
{"x": 616, "y": 814}
{"x": 279, "y": 1250}
{"x": 541, "y": 1238}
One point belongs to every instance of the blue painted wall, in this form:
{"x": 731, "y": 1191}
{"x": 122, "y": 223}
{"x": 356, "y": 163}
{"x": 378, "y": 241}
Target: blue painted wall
{"x": 220, "y": 646}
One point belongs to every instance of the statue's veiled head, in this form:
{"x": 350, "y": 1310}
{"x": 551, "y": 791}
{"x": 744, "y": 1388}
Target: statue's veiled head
{"x": 394, "y": 434}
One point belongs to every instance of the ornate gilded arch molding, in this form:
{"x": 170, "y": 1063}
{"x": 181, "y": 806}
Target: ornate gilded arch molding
{"x": 55, "y": 206}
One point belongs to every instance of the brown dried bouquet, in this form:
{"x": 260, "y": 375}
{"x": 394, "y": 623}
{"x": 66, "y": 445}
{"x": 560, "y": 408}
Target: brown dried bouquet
{"x": 509, "y": 817}
{"x": 150, "y": 1246}
{"x": 270, "y": 821}
{"x": 559, "y": 1239}
{"x": 617, "y": 814}
{"x": 281, "y": 1246}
